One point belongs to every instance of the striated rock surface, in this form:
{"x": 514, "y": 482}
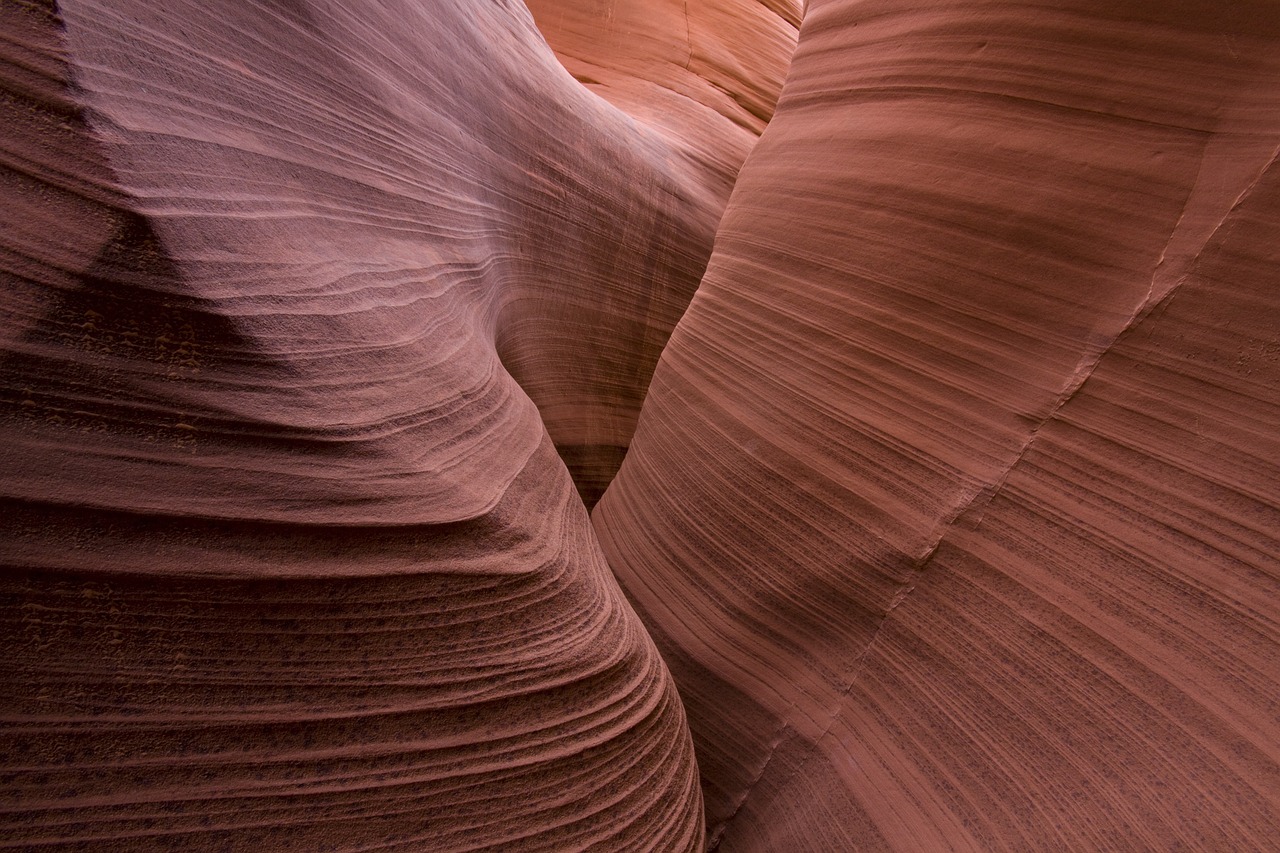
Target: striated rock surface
{"x": 289, "y": 559}
{"x": 955, "y": 502}
{"x": 702, "y": 75}
{"x": 669, "y": 62}
{"x": 954, "y": 506}
{"x": 705, "y": 73}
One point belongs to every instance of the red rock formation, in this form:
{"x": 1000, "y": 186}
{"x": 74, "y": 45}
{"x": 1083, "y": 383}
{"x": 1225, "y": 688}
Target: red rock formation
{"x": 955, "y": 502}
{"x": 289, "y": 559}
{"x": 706, "y": 73}
{"x": 703, "y": 75}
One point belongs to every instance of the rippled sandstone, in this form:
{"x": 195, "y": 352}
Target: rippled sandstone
{"x": 290, "y": 559}
{"x": 955, "y": 502}
{"x": 951, "y": 512}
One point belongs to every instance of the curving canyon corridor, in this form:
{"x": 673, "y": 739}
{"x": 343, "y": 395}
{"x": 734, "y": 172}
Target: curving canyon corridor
{"x": 747, "y": 426}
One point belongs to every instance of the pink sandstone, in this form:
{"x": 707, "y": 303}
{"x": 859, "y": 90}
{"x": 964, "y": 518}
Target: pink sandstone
{"x": 955, "y": 502}
{"x": 950, "y": 518}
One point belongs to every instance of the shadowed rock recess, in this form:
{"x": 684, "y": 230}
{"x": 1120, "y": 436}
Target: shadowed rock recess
{"x": 950, "y": 502}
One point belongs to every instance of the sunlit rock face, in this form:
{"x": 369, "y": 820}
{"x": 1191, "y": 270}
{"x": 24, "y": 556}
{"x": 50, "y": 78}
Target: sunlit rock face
{"x": 952, "y": 512}
{"x": 954, "y": 503}
{"x": 695, "y": 69}
{"x": 703, "y": 76}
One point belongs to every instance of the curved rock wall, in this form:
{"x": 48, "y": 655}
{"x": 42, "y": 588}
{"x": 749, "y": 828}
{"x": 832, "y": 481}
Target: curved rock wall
{"x": 290, "y": 561}
{"x": 954, "y": 502}
{"x": 671, "y": 62}
{"x": 953, "y": 507}
{"x": 703, "y": 75}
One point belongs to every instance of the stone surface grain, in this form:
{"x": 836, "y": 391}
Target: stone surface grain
{"x": 290, "y": 561}
{"x": 702, "y": 75}
{"x": 953, "y": 505}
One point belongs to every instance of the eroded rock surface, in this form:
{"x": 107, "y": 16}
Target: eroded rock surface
{"x": 290, "y": 561}
{"x": 955, "y": 503}
{"x": 702, "y": 75}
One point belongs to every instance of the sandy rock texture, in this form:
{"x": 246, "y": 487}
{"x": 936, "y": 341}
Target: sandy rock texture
{"x": 290, "y": 560}
{"x": 955, "y": 502}
{"x": 702, "y": 75}
{"x": 951, "y": 515}
{"x": 705, "y": 73}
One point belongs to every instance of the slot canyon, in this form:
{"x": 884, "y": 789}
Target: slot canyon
{"x": 640, "y": 425}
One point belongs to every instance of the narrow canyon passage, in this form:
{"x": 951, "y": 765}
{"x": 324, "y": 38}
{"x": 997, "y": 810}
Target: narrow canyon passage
{"x": 703, "y": 78}
{"x": 645, "y": 425}
{"x": 291, "y": 562}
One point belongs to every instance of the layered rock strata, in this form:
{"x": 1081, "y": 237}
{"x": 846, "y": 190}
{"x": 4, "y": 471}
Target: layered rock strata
{"x": 290, "y": 560}
{"x": 953, "y": 508}
{"x": 955, "y": 502}
{"x": 702, "y": 75}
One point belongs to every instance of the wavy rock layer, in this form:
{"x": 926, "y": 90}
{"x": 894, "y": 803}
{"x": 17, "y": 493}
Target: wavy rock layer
{"x": 955, "y": 503}
{"x": 290, "y": 562}
{"x": 663, "y": 60}
{"x": 704, "y": 76}
{"x": 704, "y": 73}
